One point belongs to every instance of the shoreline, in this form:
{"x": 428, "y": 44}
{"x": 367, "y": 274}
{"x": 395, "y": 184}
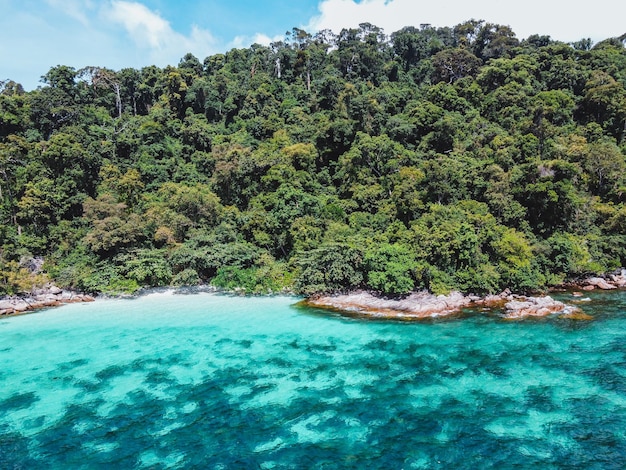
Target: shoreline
{"x": 364, "y": 304}
{"x": 50, "y": 296}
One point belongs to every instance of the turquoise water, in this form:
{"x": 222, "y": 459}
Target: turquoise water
{"x": 210, "y": 381}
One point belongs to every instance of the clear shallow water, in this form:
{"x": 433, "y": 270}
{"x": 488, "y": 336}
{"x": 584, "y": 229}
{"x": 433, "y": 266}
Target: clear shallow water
{"x": 209, "y": 381}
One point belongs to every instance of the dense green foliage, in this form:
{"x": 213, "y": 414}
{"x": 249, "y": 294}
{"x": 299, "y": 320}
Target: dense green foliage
{"x": 450, "y": 158}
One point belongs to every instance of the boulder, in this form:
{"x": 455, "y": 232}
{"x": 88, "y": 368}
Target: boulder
{"x": 21, "y": 306}
{"x": 619, "y": 279}
{"x": 532, "y": 307}
{"x": 6, "y": 304}
{"x": 600, "y": 283}
{"x": 66, "y": 296}
{"x": 54, "y": 290}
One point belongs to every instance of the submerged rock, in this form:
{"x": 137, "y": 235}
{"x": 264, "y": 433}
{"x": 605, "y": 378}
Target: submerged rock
{"x": 577, "y": 314}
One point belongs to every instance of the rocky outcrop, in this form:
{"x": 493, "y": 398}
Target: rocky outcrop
{"x": 424, "y": 305}
{"x": 47, "y": 296}
{"x": 415, "y": 306}
{"x": 524, "y": 307}
{"x": 618, "y": 279}
{"x": 615, "y": 280}
{"x": 599, "y": 283}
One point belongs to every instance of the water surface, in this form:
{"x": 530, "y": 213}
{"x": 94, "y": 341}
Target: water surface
{"x": 211, "y": 381}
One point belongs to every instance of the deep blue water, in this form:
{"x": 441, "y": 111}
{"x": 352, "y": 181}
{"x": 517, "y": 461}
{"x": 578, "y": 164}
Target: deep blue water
{"x": 210, "y": 381}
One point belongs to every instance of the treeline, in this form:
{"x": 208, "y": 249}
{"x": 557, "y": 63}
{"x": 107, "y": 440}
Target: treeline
{"x": 437, "y": 158}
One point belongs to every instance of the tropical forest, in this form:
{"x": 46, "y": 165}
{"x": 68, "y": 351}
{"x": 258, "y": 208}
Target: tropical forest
{"x": 431, "y": 158}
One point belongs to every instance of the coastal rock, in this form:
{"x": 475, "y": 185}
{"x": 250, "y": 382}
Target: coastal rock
{"x": 15, "y": 305}
{"x": 55, "y": 290}
{"x": 577, "y": 314}
{"x": 49, "y": 296}
{"x": 425, "y": 305}
{"x": 416, "y": 306}
{"x": 76, "y": 298}
{"x": 20, "y": 306}
{"x": 619, "y": 280}
{"x": 600, "y": 283}
{"x": 494, "y": 300}
{"x": 532, "y": 307}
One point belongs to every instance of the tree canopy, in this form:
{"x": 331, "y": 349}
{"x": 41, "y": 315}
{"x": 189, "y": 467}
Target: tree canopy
{"x": 430, "y": 158}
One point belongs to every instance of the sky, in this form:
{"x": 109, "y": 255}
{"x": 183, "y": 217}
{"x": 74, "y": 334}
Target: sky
{"x": 36, "y": 35}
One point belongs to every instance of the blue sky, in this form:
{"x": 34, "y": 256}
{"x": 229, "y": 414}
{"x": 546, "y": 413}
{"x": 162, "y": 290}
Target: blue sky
{"x": 38, "y": 34}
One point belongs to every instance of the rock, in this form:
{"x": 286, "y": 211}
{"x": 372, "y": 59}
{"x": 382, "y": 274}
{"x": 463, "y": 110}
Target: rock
{"x": 21, "y": 306}
{"x": 46, "y": 298}
{"x": 55, "y": 290}
{"x": 424, "y": 305}
{"x": 492, "y": 300}
{"x": 33, "y": 265}
{"x": 578, "y": 315}
{"x": 66, "y": 296}
{"x": 50, "y": 296}
{"x": 619, "y": 280}
{"x": 532, "y": 307}
{"x": 415, "y": 306}
{"x": 600, "y": 283}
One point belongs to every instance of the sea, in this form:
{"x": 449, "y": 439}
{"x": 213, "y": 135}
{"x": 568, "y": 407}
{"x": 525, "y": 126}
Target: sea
{"x": 213, "y": 381}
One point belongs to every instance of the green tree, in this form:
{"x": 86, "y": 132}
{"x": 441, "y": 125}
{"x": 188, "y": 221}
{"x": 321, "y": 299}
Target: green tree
{"x": 453, "y": 64}
{"x": 390, "y": 268}
{"x": 332, "y": 267}
{"x": 605, "y": 102}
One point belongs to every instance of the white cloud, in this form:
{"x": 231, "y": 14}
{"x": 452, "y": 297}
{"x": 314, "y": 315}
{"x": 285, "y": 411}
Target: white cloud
{"x": 145, "y": 27}
{"x": 259, "y": 38}
{"x": 561, "y": 19}
{"x": 265, "y": 40}
{"x": 153, "y": 33}
{"x": 77, "y": 9}
{"x": 114, "y": 34}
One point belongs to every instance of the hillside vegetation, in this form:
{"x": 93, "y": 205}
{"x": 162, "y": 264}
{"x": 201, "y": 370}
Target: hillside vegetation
{"x": 431, "y": 158}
